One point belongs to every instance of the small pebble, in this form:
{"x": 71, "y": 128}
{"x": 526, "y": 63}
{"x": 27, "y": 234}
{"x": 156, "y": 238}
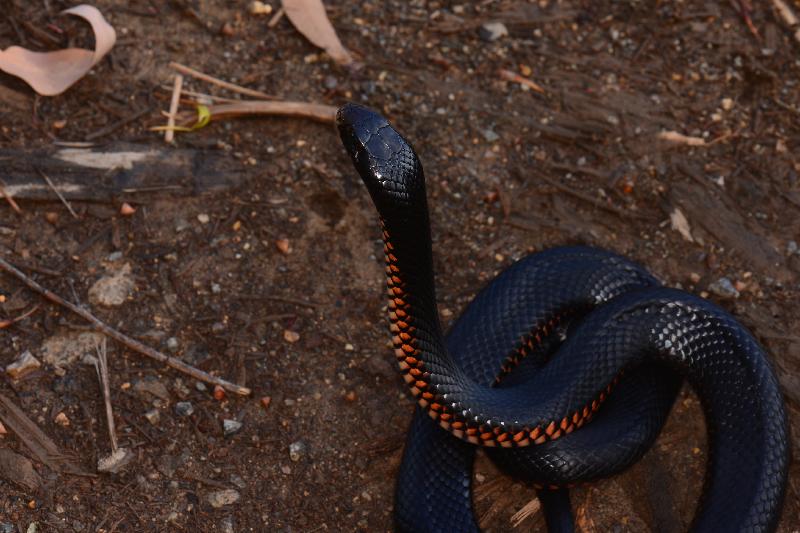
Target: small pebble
{"x": 153, "y": 416}
{"x": 283, "y": 246}
{"x": 349, "y": 347}
{"x": 127, "y": 209}
{"x": 61, "y": 419}
{"x": 113, "y": 289}
{"x": 216, "y": 288}
{"x": 265, "y": 401}
{"x": 286, "y": 469}
{"x": 200, "y": 386}
{"x": 172, "y": 344}
{"x": 238, "y": 481}
{"x": 490, "y": 135}
{"x": 184, "y": 408}
{"x": 221, "y": 498}
{"x": 791, "y": 248}
{"x": 291, "y": 336}
{"x": 23, "y": 365}
{"x": 330, "y": 82}
{"x": 219, "y": 393}
{"x": 203, "y": 218}
{"x": 297, "y": 450}
{"x": 724, "y": 288}
{"x": 260, "y": 8}
{"x": 231, "y": 427}
{"x": 492, "y": 31}
{"x": 227, "y": 29}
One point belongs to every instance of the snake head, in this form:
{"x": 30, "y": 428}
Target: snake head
{"x": 385, "y": 161}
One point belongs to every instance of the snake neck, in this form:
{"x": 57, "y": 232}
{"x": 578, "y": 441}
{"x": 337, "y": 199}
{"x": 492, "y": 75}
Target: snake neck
{"x": 413, "y": 315}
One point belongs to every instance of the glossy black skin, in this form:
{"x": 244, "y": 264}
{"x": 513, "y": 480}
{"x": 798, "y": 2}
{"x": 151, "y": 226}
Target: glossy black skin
{"x": 620, "y": 321}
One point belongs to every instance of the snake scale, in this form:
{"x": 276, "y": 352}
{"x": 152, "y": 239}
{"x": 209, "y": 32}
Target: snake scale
{"x": 564, "y": 368}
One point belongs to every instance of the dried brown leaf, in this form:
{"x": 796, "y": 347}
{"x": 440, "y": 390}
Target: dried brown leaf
{"x": 17, "y": 469}
{"x": 51, "y": 73}
{"x": 34, "y": 438}
{"x": 310, "y": 19}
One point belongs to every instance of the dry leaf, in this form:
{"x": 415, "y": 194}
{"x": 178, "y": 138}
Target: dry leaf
{"x": 680, "y": 224}
{"x": 51, "y": 73}
{"x": 310, "y": 19}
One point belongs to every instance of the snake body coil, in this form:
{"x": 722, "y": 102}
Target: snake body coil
{"x": 565, "y": 367}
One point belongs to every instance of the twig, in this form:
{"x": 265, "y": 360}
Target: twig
{"x": 11, "y": 321}
{"x": 9, "y": 198}
{"x": 101, "y": 366}
{"x": 529, "y": 509}
{"x": 281, "y": 299}
{"x": 508, "y": 75}
{"x": 58, "y": 193}
{"x": 102, "y": 132}
{"x": 133, "y": 344}
{"x": 169, "y": 134}
{"x": 319, "y": 112}
{"x": 276, "y": 18}
{"x": 210, "y": 97}
{"x": 74, "y": 144}
{"x": 744, "y": 11}
{"x": 786, "y": 13}
{"x": 586, "y": 198}
{"x": 788, "y": 17}
{"x": 222, "y": 83}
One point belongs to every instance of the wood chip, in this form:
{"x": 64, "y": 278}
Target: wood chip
{"x": 679, "y": 138}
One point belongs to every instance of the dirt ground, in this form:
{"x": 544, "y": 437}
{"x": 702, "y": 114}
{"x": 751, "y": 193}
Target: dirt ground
{"x": 511, "y": 169}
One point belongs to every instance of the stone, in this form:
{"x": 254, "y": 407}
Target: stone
{"x": 221, "y": 498}
{"x": 61, "y": 351}
{"x": 23, "y": 365}
{"x": 492, "y": 31}
{"x": 113, "y": 289}
{"x": 184, "y": 408}
{"x": 153, "y": 416}
{"x": 724, "y": 288}
{"x": 297, "y": 450}
{"x": 490, "y": 135}
{"x": 152, "y": 387}
{"x": 231, "y": 427}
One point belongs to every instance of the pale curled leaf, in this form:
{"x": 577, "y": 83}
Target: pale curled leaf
{"x": 310, "y": 19}
{"x": 51, "y": 73}
{"x": 680, "y": 224}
